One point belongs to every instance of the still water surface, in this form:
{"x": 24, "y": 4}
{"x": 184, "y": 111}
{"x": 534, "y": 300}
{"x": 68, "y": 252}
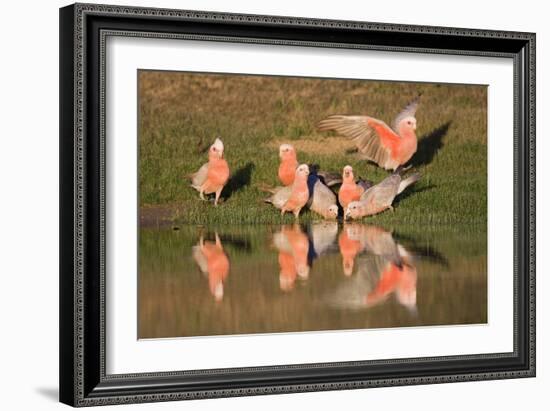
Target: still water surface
{"x": 197, "y": 281}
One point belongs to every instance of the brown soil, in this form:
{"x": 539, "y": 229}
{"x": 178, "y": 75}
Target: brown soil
{"x": 315, "y": 145}
{"x": 157, "y": 216}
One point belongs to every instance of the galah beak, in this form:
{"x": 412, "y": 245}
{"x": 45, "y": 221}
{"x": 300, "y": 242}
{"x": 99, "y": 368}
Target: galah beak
{"x": 348, "y": 215}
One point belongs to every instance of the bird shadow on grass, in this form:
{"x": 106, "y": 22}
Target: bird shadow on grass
{"x": 429, "y": 145}
{"x": 240, "y": 179}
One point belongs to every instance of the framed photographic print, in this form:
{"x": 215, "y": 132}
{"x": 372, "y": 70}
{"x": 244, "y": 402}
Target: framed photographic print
{"x": 261, "y": 204}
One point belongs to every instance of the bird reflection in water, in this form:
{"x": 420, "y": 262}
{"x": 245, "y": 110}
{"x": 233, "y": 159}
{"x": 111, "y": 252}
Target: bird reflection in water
{"x": 299, "y": 248}
{"x": 397, "y": 276}
{"x": 293, "y": 246}
{"x": 350, "y": 245}
{"x": 383, "y": 267}
{"x": 213, "y": 263}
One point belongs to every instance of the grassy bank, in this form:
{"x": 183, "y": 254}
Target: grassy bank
{"x": 181, "y": 114}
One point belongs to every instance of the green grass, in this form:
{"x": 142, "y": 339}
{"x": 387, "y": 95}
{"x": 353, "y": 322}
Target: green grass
{"x": 181, "y": 114}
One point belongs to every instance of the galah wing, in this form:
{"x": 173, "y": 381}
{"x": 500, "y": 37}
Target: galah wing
{"x": 198, "y": 178}
{"x": 383, "y": 192}
{"x": 374, "y": 139}
{"x": 280, "y": 196}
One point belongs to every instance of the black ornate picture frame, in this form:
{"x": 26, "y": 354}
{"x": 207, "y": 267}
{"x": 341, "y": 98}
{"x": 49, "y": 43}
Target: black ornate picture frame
{"x": 83, "y": 31}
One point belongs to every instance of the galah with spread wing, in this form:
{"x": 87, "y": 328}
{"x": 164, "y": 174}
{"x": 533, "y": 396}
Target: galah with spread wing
{"x": 351, "y": 190}
{"x": 213, "y": 262}
{"x": 379, "y": 197}
{"x": 389, "y": 147}
{"x": 212, "y": 176}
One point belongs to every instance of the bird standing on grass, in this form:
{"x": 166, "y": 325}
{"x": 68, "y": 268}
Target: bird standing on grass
{"x": 212, "y": 176}
{"x": 288, "y": 165}
{"x": 380, "y": 196}
{"x": 299, "y": 193}
{"x": 350, "y": 190}
{"x": 388, "y": 147}
{"x": 321, "y": 198}
{"x": 323, "y": 201}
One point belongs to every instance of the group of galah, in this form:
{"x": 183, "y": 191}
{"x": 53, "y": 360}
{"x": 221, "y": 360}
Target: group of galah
{"x": 304, "y": 186}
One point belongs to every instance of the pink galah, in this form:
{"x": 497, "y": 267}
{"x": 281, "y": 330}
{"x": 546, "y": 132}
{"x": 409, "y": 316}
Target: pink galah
{"x": 288, "y": 165}
{"x": 389, "y": 147}
{"x": 322, "y": 201}
{"x": 212, "y": 176}
{"x": 349, "y": 190}
{"x": 379, "y": 197}
{"x": 299, "y": 193}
